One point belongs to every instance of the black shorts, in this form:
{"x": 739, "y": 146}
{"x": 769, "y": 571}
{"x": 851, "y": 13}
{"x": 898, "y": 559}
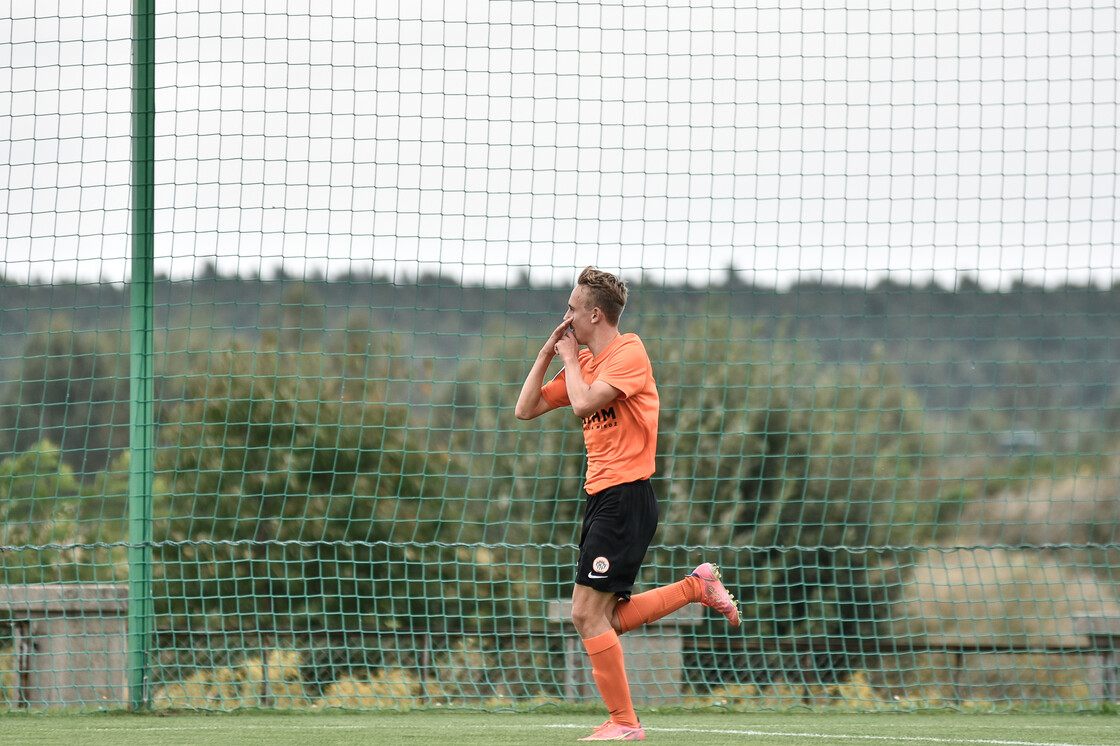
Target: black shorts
{"x": 618, "y": 526}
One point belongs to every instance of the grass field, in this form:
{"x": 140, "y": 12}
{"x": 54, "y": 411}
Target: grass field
{"x": 469, "y": 729}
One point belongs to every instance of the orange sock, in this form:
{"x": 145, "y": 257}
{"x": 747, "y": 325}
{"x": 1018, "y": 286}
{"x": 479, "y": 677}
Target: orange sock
{"x": 652, "y": 605}
{"x": 610, "y": 676}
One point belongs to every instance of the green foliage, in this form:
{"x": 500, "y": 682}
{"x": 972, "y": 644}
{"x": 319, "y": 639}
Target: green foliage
{"x": 809, "y": 466}
{"x": 293, "y": 494}
{"x": 52, "y": 528}
{"x": 72, "y": 390}
{"x": 318, "y": 478}
{"x": 524, "y": 479}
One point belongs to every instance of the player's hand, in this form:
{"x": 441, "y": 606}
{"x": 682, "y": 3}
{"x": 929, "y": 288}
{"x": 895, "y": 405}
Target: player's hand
{"x": 567, "y": 347}
{"x": 549, "y": 348}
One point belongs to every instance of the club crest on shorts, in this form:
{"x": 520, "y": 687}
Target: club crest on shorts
{"x": 601, "y": 565}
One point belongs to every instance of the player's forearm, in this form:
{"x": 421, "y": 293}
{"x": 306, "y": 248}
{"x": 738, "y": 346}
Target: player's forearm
{"x": 587, "y": 399}
{"x": 530, "y": 403}
{"x": 579, "y": 394}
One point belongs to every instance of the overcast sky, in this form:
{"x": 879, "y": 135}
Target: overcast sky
{"x": 483, "y": 139}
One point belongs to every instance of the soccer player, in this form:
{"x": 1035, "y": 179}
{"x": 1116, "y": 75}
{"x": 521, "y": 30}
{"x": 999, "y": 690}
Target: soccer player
{"x": 609, "y": 385}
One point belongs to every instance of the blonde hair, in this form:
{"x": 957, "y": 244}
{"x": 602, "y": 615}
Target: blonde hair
{"x": 605, "y": 291}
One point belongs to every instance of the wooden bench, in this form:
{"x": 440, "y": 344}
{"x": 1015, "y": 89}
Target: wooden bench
{"x": 70, "y": 643}
{"x": 1094, "y": 636}
{"x": 1104, "y": 635}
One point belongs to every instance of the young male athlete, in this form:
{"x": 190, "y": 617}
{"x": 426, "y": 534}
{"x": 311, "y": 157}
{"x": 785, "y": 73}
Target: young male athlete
{"x": 610, "y": 387}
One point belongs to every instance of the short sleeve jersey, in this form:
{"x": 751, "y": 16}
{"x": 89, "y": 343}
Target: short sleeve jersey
{"x": 621, "y": 438}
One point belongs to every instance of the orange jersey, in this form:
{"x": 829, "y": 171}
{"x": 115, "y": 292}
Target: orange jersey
{"x": 621, "y": 438}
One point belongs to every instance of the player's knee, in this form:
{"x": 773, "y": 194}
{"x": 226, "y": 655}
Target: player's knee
{"x": 579, "y": 618}
{"x": 588, "y": 620}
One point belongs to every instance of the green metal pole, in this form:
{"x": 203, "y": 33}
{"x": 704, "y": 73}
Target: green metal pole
{"x": 141, "y": 432}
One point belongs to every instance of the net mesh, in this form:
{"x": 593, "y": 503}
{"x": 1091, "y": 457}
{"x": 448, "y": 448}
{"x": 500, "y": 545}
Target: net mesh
{"x": 871, "y": 253}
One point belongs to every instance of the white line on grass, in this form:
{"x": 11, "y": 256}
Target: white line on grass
{"x": 287, "y": 727}
{"x": 712, "y": 731}
{"x": 850, "y": 737}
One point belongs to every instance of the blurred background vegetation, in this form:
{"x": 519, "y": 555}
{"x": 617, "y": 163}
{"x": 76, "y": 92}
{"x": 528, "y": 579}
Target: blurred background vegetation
{"x": 340, "y": 456}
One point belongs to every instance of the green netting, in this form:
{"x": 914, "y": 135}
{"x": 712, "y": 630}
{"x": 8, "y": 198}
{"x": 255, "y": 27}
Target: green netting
{"x": 872, "y": 253}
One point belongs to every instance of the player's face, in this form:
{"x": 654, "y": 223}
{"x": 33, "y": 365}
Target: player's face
{"x": 579, "y": 315}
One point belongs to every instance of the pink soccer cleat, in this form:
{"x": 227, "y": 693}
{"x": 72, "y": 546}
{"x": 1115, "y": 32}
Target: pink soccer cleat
{"x": 611, "y": 731}
{"x": 714, "y": 595}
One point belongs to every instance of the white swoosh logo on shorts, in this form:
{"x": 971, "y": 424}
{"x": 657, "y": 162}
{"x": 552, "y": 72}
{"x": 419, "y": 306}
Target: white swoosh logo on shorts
{"x": 593, "y": 576}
